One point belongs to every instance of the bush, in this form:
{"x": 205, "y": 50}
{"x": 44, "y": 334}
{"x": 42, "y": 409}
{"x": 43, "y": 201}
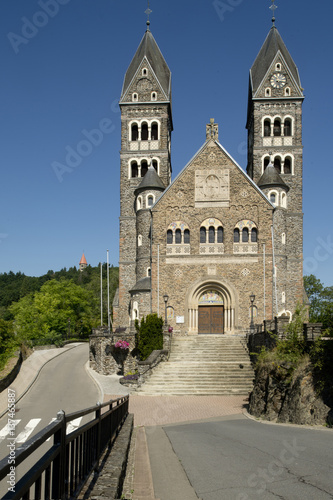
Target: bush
{"x": 289, "y": 352}
{"x": 149, "y": 335}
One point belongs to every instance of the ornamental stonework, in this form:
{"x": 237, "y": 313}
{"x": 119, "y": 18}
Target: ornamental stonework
{"x": 212, "y": 188}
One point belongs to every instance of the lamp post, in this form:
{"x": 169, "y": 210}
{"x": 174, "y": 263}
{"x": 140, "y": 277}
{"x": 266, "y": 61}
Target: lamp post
{"x": 166, "y": 298}
{"x": 252, "y": 299}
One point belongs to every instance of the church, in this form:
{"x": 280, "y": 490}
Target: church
{"x": 217, "y": 247}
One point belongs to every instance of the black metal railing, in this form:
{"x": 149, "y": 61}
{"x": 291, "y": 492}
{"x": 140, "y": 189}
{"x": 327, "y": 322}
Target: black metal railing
{"x": 62, "y": 471}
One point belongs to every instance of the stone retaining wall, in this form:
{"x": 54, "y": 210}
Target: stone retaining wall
{"x": 107, "y": 360}
{"x": 7, "y": 378}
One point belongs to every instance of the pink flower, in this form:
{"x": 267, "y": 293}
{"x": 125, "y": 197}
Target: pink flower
{"x": 122, "y": 344}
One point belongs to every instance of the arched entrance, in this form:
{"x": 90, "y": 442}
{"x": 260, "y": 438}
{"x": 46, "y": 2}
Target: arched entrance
{"x": 210, "y": 313}
{"x": 211, "y": 308}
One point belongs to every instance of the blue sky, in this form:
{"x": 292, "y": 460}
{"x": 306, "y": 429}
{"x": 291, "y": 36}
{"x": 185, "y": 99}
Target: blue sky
{"x": 63, "y": 63}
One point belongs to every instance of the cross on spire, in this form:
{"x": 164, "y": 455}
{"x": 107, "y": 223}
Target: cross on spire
{"x": 148, "y": 12}
{"x": 273, "y": 7}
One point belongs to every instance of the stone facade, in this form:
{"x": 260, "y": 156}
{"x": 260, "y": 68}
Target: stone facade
{"x": 212, "y": 237}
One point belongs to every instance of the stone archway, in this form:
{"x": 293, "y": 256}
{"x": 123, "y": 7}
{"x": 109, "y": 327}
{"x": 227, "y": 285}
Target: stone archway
{"x": 212, "y": 308}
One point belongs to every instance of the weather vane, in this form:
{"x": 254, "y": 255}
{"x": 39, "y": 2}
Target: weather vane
{"x": 148, "y": 12}
{"x": 273, "y": 7}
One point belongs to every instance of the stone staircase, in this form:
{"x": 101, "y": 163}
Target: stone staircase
{"x": 203, "y": 365}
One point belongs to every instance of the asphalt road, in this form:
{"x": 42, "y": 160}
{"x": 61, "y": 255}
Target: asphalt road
{"x": 241, "y": 459}
{"x": 63, "y": 384}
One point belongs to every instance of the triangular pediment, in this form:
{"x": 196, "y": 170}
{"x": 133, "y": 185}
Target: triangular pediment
{"x": 144, "y": 83}
{"x": 290, "y": 86}
{"x": 212, "y": 179}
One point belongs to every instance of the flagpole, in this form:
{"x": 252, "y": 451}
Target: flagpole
{"x": 101, "y": 294}
{"x": 108, "y": 277}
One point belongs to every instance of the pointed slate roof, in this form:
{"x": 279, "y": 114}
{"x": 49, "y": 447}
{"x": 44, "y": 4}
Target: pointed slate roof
{"x": 271, "y": 178}
{"x": 148, "y": 48}
{"x": 150, "y": 181}
{"x": 83, "y": 260}
{"x": 143, "y": 285}
{"x": 268, "y": 51}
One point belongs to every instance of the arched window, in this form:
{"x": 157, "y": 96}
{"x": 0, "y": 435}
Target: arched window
{"x": 178, "y": 238}
{"x": 144, "y": 168}
{"x": 139, "y": 203}
{"x": 155, "y": 165}
{"x": 144, "y": 132}
{"x": 153, "y": 96}
{"x": 148, "y": 272}
{"x": 154, "y": 131}
{"x": 220, "y": 234}
{"x": 144, "y": 72}
{"x": 134, "y": 132}
{"x": 267, "y": 128}
{"x": 135, "y": 311}
{"x": 134, "y": 169}
{"x": 277, "y": 128}
{"x": 287, "y": 165}
{"x": 287, "y": 91}
{"x": 277, "y": 164}
{"x": 211, "y": 234}
{"x": 202, "y": 235}
{"x": 272, "y": 198}
{"x": 268, "y": 92}
{"x": 245, "y": 235}
{"x": 135, "y": 97}
{"x": 283, "y": 200}
{"x": 150, "y": 200}
{"x": 266, "y": 162}
{"x": 254, "y": 235}
{"x": 287, "y": 127}
{"x": 236, "y": 235}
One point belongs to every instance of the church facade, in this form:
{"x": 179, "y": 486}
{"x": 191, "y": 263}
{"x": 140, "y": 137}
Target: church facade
{"x": 199, "y": 246}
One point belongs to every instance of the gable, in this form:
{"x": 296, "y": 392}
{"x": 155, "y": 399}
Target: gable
{"x": 278, "y": 66}
{"x": 212, "y": 179}
{"x": 144, "y": 84}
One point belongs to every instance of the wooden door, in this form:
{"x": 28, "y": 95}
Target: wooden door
{"x": 210, "y": 319}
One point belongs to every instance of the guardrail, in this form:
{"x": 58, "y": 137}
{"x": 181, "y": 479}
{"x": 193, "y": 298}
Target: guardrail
{"x": 62, "y": 471}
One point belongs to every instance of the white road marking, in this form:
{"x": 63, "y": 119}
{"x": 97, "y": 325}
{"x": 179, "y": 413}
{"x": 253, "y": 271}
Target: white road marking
{"x": 73, "y": 425}
{"x": 6, "y": 431}
{"x": 29, "y": 428}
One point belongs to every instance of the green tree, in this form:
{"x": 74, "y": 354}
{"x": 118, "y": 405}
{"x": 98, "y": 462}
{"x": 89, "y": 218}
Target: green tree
{"x": 321, "y": 302}
{"x": 61, "y": 309}
{"x": 8, "y": 342}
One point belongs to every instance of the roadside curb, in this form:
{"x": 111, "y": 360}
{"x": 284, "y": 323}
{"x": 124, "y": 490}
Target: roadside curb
{"x": 286, "y": 424}
{"x": 98, "y": 385}
{"x": 36, "y": 377}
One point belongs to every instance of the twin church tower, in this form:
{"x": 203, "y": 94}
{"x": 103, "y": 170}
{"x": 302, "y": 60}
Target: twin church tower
{"x": 200, "y": 245}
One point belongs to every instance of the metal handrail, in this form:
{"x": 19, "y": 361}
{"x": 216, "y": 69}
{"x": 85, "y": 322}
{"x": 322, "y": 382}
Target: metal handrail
{"x": 62, "y": 471}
